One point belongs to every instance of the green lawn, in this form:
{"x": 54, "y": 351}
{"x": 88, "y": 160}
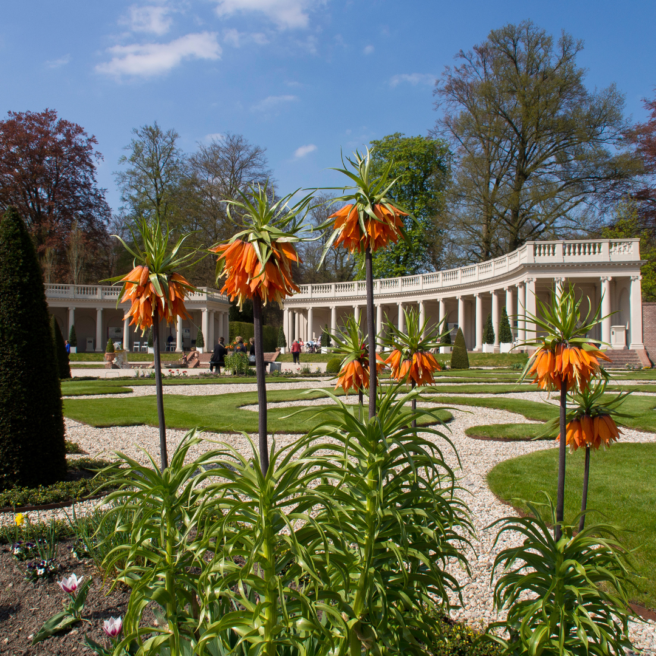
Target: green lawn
{"x": 505, "y": 432}
{"x": 221, "y": 414}
{"x": 622, "y": 486}
{"x": 132, "y": 357}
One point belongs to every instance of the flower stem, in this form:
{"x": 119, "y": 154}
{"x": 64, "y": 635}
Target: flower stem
{"x": 160, "y": 393}
{"x": 562, "y": 454}
{"x": 371, "y": 329}
{"x": 414, "y": 404}
{"x": 584, "y": 498}
{"x": 261, "y": 383}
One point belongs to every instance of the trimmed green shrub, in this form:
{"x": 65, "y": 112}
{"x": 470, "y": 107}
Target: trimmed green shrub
{"x": 325, "y": 337}
{"x": 110, "y": 346}
{"x": 32, "y": 450}
{"x": 241, "y": 329}
{"x": 459, "y": 357}
{"x": 333, "y": 365}
{"x": 269, "y": 338}
{"x": 63, "y": 368}
{"x": 446, "y": 339}
{"x": 72, "y": 337}
{"x": 200, "y": 340}
{"x": 505, "y": 333}
{"x": 488, "y": 333}
{"x": 282, "y": 340}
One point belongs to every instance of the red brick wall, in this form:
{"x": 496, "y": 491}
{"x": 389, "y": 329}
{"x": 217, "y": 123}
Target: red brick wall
{"x": 649, "y": 329}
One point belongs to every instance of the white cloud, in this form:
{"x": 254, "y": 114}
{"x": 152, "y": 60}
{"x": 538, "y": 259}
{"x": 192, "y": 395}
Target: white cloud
{"x": 368, "y": 50}
{"x": 148, "y": 59}
{"x": 214, "y": 136}
{"x": 304, "y": 150}
{"x": 238, "y": 39}
{"x": 56, "y": 63}
{"x": 413, "y": 78}
{"x": 286, "y": 14}
{"x": 273, "y": 102}
{"x": 151, "y": 19}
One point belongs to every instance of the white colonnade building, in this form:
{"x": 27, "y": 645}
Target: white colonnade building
{"x": 92, "y": 310}
{"x": 605, "y": 271}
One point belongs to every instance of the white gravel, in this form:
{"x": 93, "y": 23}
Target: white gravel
{"x": 478, "y": 457}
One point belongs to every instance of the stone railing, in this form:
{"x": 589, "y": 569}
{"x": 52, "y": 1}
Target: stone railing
{"x": 106, "y": 292}
{"x": 533, "y": 252}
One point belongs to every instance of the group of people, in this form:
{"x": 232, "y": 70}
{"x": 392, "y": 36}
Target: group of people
{"x": 220, "y": 351}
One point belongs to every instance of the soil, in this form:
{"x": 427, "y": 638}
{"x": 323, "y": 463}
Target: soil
{"x": 25, "y": 607}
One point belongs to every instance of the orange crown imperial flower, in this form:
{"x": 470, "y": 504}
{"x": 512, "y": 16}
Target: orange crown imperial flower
{"x": 594, "y": 432}
{"x": 141, "y": 292}
{"x": 419, "y": 367}
{"x": 246, "y": 277}
{"x": 355, "y": 374}
{"x": 379, "y": 233}
{"x": 570, "y": 364}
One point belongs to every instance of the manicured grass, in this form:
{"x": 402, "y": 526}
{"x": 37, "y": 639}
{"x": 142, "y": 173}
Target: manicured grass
{"x": 622, "y": 486}
{"x": 489, "y": 359}
{"x": 503, "y": 432}
{"x": 488, "y": 388}
{"x": 221, "y": 414}
{"x": 530, "y": 409}
{"x": 85, "y": 387}
{"x": 306, "y": 358}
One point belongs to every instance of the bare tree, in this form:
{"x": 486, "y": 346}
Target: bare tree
{"x": 536, "y": 152}
{"x": 76, "y": 253}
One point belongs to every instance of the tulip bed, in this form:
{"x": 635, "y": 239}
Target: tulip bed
{"x": 622, "y": 492}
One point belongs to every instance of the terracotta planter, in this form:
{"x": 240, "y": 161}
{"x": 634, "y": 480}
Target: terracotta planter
{"x": 110, "y": 357}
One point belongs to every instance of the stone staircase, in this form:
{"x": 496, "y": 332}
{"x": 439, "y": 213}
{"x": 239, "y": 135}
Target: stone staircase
{"x": 620, "y": 359}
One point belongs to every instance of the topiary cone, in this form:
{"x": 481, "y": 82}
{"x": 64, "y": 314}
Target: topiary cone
{"x": 63, "y": 367}
{"x": 459, "y": 357}
{"x": 32, "y": 449}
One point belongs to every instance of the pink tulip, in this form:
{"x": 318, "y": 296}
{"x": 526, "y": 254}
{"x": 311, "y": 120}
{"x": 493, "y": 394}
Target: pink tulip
{"x": 71, "y": 584}
{"x": 113, "y": 626}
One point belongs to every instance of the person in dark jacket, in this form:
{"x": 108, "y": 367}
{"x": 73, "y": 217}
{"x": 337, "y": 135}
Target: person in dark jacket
{"x": 240, "y": 347}
{"x": 218, "y": 357}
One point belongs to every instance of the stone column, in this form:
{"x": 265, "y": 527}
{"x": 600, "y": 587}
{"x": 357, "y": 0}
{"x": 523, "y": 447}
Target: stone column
{"x": 529, "y": 326}
{"x": 356, "y": 313}
{"x": 333, "y": 320}
{"x": 559, "y": 287}
{"x": 521, "y": 301}
{"x": 379, "y": 325}
{"x": 441, "y": 314}
{"x": 285, "y": 325}
{"x": 126, "y": 333}
{"x": 211, "y": 338}
{"x": 310, "y": 318}
{"x": 226, "y": 327}
{"x": 178, "y": 335}
{"x": 100, "y": 347}
{"x": 479, "y": 322}
{"x": 297, "y": 323}
{"x": 71, "y": 321}
{"x": 461, "y": 314}
{"x": 400, "y": 323}
{"x": 510, "y": 309}
{"x": 636, "y": 313}
{"x": 422, "y": 313}
{"x": 495, "y": 320}
{"x": 605, "y": 310}
{"x": 205, "y": 327}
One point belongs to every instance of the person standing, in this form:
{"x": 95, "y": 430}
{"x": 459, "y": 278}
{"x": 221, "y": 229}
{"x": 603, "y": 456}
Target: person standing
{"x": 68, "y": 346}
{"x": 218, "y": 357}
{"x": 296, "y": 352}
{"x": 251, "y": 351}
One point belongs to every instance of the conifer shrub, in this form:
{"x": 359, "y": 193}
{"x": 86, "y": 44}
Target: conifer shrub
{"x": 282, "y": 340}
{"x": 200, "y": 340}
{"x": 488, "y": 333}
{"x": 446, "y": 339}
{"x": 110, "y": 346}
{"x": 459, "y": 357}
{"x": 72, "y": 336}
{"x": 32, "y": 448}
{"x": 63, "y": 367}
{"x": 333, "y": 366}
{"x": 325, "y": 337}
{"x": 505, "y": 333}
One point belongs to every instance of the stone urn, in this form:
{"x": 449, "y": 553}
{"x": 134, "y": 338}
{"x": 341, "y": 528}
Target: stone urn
{"x": 109, "y": 357}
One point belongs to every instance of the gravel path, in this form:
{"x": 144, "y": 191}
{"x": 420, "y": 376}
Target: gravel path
{"x": 477, "y": 458}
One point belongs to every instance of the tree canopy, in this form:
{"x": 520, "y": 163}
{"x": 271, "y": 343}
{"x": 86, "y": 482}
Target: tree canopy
{"x": 536, "y": 153}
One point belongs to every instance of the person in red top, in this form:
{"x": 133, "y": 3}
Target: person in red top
{"x": 296, "y": 352}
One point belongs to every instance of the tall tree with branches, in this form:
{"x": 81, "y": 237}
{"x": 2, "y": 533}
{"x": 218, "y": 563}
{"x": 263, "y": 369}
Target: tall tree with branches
{"x": 537, "y": 153}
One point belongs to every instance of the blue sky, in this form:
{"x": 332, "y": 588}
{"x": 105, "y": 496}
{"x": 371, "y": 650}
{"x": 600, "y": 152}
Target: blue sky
{"x": 301, "y": 78}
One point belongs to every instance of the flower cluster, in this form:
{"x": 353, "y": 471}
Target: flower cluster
{"x": 591, "y": 431}
{"x": 146, "y": 294}
{"x": 246, "y": 276}
{"x": 23, "y": 550}
{"x": 419, "y": 367}
{"x": 378, "y": 233}
{"x": 572, "y": 365}
{"x": 38, "y": 570}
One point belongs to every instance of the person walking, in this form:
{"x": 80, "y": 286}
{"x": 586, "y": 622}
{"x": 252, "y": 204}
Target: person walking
{"x": 296, "y": 352}
{"x": 218, "y": 357}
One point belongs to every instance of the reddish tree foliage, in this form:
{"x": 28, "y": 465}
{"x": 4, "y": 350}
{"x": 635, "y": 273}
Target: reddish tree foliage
{"x": 48, "y": 172}
{"x": 643, "y": 137}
